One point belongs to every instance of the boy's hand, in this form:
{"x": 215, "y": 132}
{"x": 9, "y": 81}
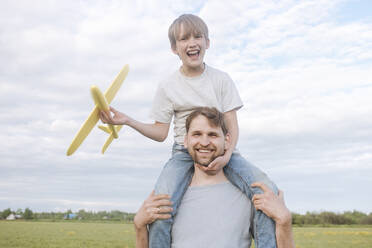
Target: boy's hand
{"x": 118, "y": 118}
{"x": 217, "y": 164}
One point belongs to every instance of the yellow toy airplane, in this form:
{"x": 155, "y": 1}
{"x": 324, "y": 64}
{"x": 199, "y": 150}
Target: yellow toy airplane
{"x": 102, "y": 103}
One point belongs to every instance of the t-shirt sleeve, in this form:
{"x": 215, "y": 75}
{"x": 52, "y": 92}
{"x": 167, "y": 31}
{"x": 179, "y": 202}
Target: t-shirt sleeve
{"x": 230, "y": 96}
{"x": 162, "y": 108}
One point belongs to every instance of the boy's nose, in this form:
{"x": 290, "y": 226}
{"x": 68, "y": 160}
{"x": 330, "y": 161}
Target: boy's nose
{"x": 192, "y": 41}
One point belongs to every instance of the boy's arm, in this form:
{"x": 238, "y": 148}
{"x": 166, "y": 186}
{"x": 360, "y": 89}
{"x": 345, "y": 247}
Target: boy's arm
{"x": 273, "y": 206}
{"x": 231, "y": 121}
{"x": 157, "y": 131}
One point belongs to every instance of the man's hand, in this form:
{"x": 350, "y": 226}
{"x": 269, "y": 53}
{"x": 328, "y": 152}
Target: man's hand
{"x": 155, "y": 207}
{"x": 118, "y": 118}
{"x": 216, "y": 165}
{"x": 271, "y": 204}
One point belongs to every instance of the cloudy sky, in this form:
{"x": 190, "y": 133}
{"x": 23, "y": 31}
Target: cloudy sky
{"x": 303, "y": 69}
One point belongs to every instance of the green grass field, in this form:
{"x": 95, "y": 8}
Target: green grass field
{"x": 80, "y": 234}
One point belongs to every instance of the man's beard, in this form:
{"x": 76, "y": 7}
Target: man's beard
{"x": 203, "y": 162}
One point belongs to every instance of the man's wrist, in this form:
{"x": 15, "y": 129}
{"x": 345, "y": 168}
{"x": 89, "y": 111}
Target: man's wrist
{"x": 285, "y": 219}
{"x": 138, "y": 225}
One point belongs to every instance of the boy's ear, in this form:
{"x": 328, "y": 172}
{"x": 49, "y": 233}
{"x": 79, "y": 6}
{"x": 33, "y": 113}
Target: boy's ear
{"x": 174, "y": 50}
{"x": 208, "y": 43}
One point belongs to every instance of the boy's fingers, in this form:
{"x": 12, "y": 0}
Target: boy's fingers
{"x": 113, "y": 110}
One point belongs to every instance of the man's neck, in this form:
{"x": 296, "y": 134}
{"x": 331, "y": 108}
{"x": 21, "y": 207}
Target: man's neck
{"x": 200, "y": 178}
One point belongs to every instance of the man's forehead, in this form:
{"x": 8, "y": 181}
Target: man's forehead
{"x": 201, "y": 123}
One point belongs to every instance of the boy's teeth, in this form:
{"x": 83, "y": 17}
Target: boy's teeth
{"x": 193, "y": 53}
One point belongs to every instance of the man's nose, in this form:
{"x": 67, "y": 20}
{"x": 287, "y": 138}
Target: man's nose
{"x": 204, "y": 140}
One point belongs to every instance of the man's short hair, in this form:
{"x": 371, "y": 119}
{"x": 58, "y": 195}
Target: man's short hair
{"x": 215, "y": 118}
{"x": 192, "y": 24}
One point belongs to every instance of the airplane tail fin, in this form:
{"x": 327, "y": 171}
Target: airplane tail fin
{"x": 111, "y": 137}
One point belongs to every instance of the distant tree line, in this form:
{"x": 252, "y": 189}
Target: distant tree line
{"x": 27, "y": 214}
{"x": 310, "y": 218}
{"x": 331, "y": 218}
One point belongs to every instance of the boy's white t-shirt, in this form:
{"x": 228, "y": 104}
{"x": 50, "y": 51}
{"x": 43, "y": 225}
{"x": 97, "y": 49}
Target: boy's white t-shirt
{"x": 178, "y": 95}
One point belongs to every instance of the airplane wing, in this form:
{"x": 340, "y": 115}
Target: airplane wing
{"x": 84, "y": 131}
{"x": 116, "y": 84}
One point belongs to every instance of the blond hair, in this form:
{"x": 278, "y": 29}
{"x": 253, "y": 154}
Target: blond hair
{"x": 192, "y": 24}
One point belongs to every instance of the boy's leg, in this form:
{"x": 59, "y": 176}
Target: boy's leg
{"x": 173, "y": 180}
{"x": 242, "y": 174}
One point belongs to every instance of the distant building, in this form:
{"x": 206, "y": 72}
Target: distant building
{"x": 70, "y": 216}
{"x": 11, "y": 217}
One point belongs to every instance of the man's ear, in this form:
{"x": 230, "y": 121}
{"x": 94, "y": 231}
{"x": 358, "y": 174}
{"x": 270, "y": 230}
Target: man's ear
{"x": 185, "y": 141}
{"x": 208, "y": 43}
{"x": 227, "y": 141}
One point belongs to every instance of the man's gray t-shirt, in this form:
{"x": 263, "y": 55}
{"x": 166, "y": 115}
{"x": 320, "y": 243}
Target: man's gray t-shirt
{"x": 215, "y": 216}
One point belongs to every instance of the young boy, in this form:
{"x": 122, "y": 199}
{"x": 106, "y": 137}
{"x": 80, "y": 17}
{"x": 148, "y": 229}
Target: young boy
{"x": 196, "y": 84}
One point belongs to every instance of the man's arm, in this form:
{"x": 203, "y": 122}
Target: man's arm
{"x": 153, "y": 208}
{"x": 157, "y": 131}
{"x": 273, "y": 206}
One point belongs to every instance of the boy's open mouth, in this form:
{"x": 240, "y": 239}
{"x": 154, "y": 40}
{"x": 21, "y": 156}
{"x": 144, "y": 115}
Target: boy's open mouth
{"x": 193, "y": 54}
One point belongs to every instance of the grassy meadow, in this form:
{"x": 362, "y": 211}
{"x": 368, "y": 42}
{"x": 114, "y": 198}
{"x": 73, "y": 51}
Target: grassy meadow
{"x": 96, "y": 234}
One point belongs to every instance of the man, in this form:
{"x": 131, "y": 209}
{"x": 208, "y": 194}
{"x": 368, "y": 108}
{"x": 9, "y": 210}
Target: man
{"x": 212, "y": 213}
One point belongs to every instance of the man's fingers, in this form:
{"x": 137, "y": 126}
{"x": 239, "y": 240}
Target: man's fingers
{"x": 165, "y": 210}
{"x": 160, "y": 197}
{"x": 160, "y": 203}
{"x": 162, "y": 216}
{"x": 257, "y": 197}
{"x": 262, "y": 186}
